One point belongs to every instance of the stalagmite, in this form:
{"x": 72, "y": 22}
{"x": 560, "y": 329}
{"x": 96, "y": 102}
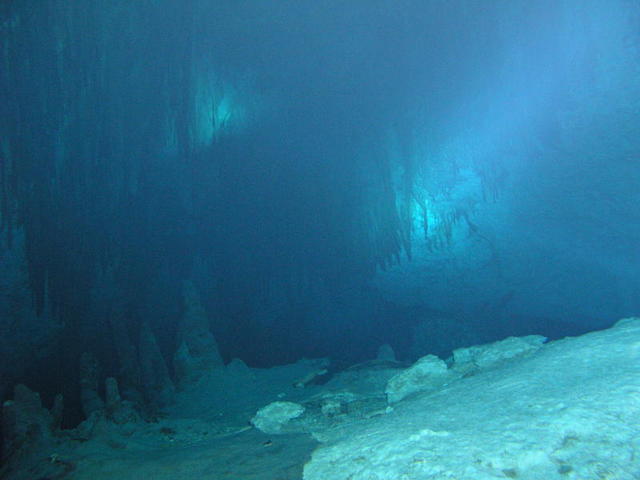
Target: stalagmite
{"x": 26, "y": 424}
{"x": 158, "y": 387}
{"x": 130, "y": 375}
{"x": 89, "y": 379}
{"x": 197, "y": 348}
{"x": 119, "y": 411}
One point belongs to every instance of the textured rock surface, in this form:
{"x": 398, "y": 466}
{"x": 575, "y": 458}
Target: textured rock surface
{"x": 273, "y": 417}
{"x": 484, "y": 356}
{"x": 428, "y": 373}
{"x": 570, "y": 411}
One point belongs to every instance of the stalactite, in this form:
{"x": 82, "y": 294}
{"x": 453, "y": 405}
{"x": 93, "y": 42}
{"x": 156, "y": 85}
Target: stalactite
{"x": 72, "y": 138}
{"x": 91, "y": 177}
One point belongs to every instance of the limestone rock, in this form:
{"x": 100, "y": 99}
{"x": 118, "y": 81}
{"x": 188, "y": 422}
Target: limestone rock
{"x": 25, "y": 422}
{"x": 158, "y": 387}
{"x": 56, "y": 412}
{"x": 89, "y": 379}
{"x": 567, "y": 412}
{"x": 197, "y": 350}
{"x": 119, "y": 411}
{"x": 428, "y": 373}
{"x": 332, "y": 407}
{"x": 272, "y": 418}
{"x": 112, "y": 393}
{"x": 484, "y": 356}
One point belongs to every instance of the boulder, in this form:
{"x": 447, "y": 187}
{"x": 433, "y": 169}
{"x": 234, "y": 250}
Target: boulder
{"x": 428, "y": 373}
{"x": 272, "y": 418}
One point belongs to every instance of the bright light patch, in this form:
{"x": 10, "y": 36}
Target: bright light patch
{"x": 218, "y": 110}
{"x": 445, "y": 192}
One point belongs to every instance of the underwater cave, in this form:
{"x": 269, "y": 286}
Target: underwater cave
{"x": 259, "y": 239}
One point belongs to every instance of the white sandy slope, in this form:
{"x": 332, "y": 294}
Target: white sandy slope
{"x": 569, "y": 411}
